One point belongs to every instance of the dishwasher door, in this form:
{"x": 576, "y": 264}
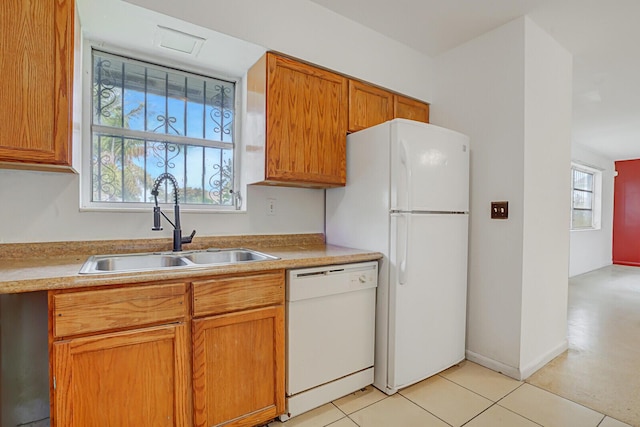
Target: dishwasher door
{"x": 330, "y": 324}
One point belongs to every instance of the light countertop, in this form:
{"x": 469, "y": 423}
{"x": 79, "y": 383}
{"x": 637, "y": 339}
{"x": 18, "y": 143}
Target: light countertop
{"x": 49, "y": 266}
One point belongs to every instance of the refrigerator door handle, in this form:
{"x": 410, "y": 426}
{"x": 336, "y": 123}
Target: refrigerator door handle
{"x": 406, "y": 163}
{"x": 402, "y": 277}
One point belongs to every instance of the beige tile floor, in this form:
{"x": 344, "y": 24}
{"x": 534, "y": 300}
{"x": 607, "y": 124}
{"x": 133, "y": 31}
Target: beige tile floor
{"x": 466, "y": 395}
{"x": 601, "y": 371}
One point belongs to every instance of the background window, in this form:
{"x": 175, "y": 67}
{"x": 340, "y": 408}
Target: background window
{"x": 147, "y": 120}
{"x": 585, "y": 197}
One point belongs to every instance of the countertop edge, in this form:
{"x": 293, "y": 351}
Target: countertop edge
{"x": 64, "y": 274}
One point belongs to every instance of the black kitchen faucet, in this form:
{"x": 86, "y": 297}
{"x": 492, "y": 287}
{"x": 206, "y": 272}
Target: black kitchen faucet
{"x": 178, "y": 240}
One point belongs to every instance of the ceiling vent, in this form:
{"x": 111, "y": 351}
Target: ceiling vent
{"x": 179, "y": 41}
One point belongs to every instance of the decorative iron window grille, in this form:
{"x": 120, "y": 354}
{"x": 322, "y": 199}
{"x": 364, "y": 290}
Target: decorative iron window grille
{"x": 582, "y": 199}
{"x": 149, "y": 119}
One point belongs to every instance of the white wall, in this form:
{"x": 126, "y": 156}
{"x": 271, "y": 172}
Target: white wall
{"x": 313, "y": 33}
{"x": 547, "y": 161}
{"x": 480, "y": 92}
{"x": 486, "y": 88}
{"x": 592, "y": 249}
{"x": 42, "y": 207}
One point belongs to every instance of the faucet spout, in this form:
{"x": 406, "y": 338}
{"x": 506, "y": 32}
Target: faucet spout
{"x": 178, "y": 240}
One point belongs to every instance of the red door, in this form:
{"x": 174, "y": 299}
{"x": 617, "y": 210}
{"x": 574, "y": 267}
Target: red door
{"x": 626, "y": 213}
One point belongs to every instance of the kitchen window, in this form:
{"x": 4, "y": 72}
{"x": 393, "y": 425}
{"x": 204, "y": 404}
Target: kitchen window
{"x": 585, "y": 197}
{"x": 148, "y": 119}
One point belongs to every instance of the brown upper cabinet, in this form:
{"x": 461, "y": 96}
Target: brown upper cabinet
{"x": 297, "y": 116}
{"x": 407, "y": 108}
{"x": 36, "y": 65}
{"x": 368, "y": 105}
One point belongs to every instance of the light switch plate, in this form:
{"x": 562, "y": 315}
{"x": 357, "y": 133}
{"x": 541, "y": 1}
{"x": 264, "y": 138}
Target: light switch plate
{"x": 271, "y": 207}
{"x": 499, "y": 210}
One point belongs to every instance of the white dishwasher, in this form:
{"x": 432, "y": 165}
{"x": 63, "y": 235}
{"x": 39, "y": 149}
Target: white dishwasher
{"x": 330, "y": 333}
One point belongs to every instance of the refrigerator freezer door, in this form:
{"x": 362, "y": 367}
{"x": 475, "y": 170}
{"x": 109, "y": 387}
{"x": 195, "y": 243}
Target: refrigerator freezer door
{"x": 429, "y": 168}
{"x": 428, "y": 288}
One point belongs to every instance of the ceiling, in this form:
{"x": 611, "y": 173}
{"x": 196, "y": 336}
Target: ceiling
{"x": 144, "y": 31}
{"x": 602, "y": 36}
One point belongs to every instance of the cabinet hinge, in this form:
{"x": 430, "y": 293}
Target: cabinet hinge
{"x": 54, "y": 383}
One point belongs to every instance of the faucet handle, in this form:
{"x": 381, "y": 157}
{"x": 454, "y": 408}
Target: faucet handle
{"x": 156, "y": 218}
{"x": 188, "y": 239}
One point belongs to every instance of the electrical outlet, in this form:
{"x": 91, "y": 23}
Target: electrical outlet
{"x": 499, "y": 210}
{"x": 271, "y": 206}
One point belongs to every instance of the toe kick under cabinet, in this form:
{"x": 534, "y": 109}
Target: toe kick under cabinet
{"x": 207, "y": 352}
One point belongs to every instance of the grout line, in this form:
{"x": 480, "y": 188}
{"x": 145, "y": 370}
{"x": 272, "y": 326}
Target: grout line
{"x": 476, "y": 393}
{"x": 336, "y": 406}
{"x": 476, "y": 416}
{"x": 385, "y": 396}
{"x": 514, "y": 412}
{"x": 557, "y": 395}
{"x": 568, "y": 400}
{"x": 519, "y": 414}
{"x": 511, "y": 392}
{"x": 353, "y": 421}
{"x": 601, "y": 421}
{"x": 338, "y": 420}
{"x": 424, "y": 409}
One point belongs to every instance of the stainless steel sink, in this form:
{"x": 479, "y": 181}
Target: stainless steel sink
{"x": 170, "y": 260}
{"x": 131, "y": 262}
{"x": 228, "y": 256}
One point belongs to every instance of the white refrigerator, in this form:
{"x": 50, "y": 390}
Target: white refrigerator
{"x": 407, "y": 196}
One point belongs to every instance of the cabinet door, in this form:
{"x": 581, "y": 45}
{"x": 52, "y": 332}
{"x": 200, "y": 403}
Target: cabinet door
{"x": 407, "y": 108}
{"x": 306, "y": 124}
{"x": 368, "y": 105}
{"x": 238, "y": 367}
{"x": 133, "y": 378}
{"x": 36, "y": 41}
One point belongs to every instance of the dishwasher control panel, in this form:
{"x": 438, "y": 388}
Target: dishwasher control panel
{"x": 332, "y": 279}
{"x": 369, "y": 276}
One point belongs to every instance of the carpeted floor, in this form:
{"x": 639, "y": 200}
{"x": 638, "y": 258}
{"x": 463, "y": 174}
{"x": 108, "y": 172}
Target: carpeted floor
{"x": 601, "y": 368}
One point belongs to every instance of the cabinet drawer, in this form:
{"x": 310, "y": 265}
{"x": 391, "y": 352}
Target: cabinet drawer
{"x": 227, "y": 294}
{"x": 91, "y": 311}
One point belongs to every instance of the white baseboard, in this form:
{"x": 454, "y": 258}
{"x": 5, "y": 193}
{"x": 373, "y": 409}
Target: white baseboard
{"x": 531, "y": 368}
{"x": 518, "y": 373}
{"x": 494, "y": 365}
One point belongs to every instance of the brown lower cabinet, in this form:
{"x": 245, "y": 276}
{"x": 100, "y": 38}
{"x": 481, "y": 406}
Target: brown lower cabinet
{"x": 204, "y": 353}
{"x": 132, "y": 378}
{"x": 238, "y": 369}
{"x": 238, "y": 349}
{"x": 120, "y": 357}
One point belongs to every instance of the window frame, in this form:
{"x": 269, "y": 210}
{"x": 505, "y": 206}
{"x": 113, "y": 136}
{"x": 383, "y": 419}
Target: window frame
{"x": 596, "y": 196}
{"x": 83, "y": 139}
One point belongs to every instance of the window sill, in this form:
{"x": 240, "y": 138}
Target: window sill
{"x": 586, "y": 229}
{"x": 165, "y": 207}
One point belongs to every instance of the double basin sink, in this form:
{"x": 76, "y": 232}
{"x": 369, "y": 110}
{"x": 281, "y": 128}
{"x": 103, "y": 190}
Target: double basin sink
{"x": 170, "y": 260}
